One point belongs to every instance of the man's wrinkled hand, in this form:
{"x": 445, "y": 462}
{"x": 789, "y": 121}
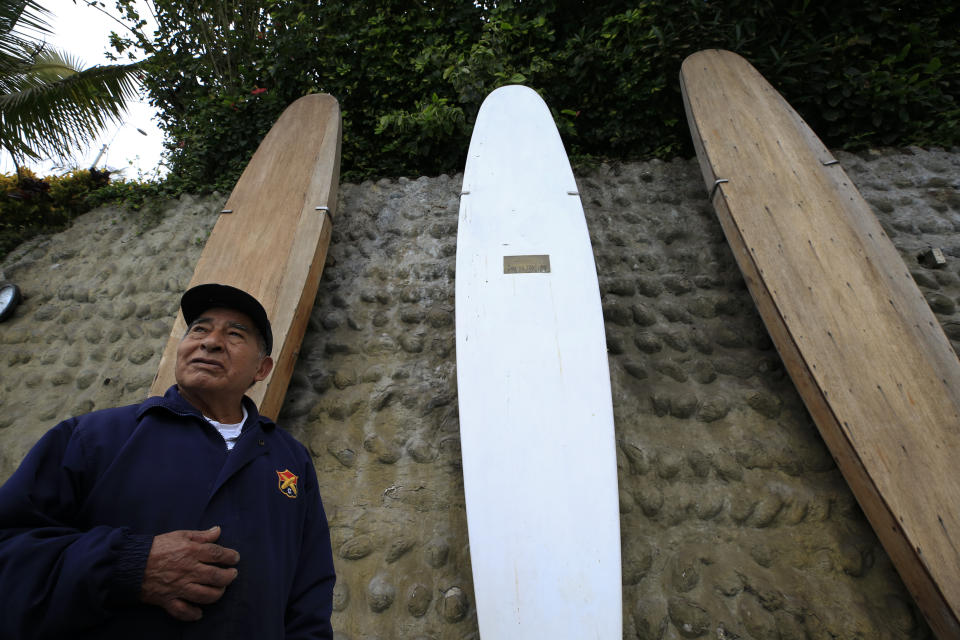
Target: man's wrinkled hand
{"x": 184, "y": 570}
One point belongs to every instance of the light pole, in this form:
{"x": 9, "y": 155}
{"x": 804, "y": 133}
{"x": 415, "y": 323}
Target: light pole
{"x": 103, "y": 149}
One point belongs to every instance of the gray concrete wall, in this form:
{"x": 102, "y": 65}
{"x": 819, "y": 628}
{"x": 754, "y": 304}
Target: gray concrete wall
{"x": 735, "y": 521}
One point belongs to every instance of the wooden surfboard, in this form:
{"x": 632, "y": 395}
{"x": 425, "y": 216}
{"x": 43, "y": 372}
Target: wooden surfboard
{"x": 536, "y": 417}
{"x": 271, "y": 239}
{"x": 866, "y": 353}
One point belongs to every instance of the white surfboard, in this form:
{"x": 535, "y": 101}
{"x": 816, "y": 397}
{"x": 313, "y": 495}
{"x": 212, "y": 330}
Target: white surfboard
{"x": 536, "y": 418}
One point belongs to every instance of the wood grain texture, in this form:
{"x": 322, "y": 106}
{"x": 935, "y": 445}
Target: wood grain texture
{"x": 865, "y": 351}
{"x": 274, "y": 243}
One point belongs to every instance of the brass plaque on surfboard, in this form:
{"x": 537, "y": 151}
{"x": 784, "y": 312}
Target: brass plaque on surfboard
{"x": 526, "y": 264}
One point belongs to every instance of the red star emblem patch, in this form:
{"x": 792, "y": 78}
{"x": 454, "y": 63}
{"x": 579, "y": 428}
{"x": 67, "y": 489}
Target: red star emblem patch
{"x": 287, "y": 483}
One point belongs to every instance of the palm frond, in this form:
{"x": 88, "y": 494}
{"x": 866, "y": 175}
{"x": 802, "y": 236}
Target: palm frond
{"x": 23, "y": 14}
{"x": 49, "y": 106}
{"x": 52, "y": 108}
{"x": 17, "y": 19}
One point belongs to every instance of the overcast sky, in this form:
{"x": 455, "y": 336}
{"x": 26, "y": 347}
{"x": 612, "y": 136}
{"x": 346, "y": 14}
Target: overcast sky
{"x": 84, "y": 32}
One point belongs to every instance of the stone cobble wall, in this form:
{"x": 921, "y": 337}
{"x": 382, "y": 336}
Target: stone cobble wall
{"x": 735, "y": 522}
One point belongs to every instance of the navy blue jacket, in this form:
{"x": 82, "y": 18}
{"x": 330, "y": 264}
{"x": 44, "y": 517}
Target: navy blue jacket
{"x": 78, "y": 517}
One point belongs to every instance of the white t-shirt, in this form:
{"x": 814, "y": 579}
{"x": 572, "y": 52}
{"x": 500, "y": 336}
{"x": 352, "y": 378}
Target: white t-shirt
{"x": 230, "y": 432}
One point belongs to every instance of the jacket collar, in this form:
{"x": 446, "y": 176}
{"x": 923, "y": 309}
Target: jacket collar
{"x": 173, "y": 402}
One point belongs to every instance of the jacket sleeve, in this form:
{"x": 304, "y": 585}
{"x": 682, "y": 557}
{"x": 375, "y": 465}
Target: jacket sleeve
{"x": 57, "y": 577}
{"x": 311, "y": 598}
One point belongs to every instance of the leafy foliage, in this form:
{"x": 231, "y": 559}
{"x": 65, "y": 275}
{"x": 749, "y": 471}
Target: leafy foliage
{"x": 410, "y": 76}
{"x": 30, "y": 205}
{"x": 48, "y": 105}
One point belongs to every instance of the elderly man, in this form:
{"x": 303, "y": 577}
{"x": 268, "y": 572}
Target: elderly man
{"x": 186, "y": 516}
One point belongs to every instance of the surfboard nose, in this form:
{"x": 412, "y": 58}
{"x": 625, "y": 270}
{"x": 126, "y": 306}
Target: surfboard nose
{"x": 516, "y": 132}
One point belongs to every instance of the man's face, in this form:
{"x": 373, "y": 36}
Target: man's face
{"x": 220, "y": 354}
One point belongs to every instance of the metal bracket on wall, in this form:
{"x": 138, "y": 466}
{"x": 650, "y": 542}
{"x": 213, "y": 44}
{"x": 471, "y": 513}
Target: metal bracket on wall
{"x": 716, "y": 185}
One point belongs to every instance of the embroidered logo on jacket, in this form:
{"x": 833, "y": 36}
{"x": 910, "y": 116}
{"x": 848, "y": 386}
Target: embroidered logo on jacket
{"x": 287, "y": 483}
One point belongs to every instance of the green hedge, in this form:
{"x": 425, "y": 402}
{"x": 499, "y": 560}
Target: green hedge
{"x": 410, "y": 76}
{"x": 30, "y": 205}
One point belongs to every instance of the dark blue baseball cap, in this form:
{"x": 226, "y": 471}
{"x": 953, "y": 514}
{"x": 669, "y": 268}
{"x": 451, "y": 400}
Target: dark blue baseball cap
{"x": 198, "y": 299}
